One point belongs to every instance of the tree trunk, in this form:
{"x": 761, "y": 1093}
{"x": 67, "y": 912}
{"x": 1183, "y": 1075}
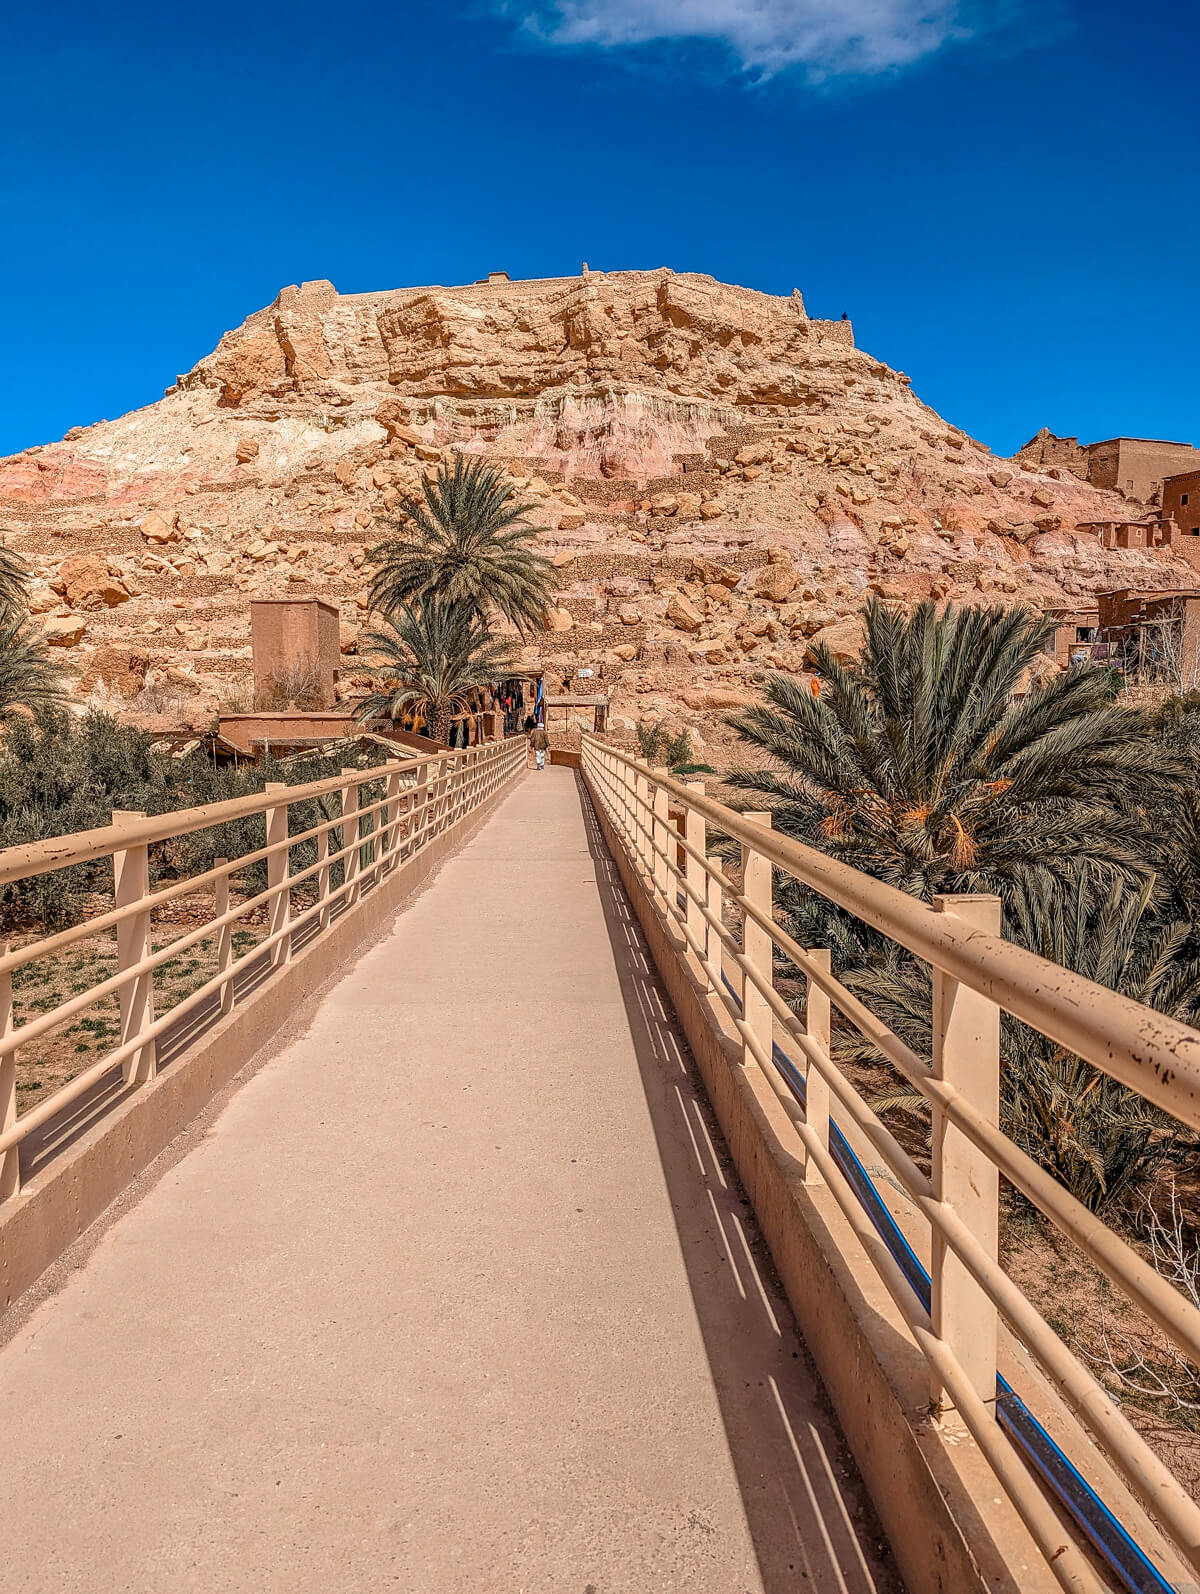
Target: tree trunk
{"x": 439, "y": 723}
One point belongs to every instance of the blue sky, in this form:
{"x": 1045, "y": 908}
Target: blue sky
{"x": 988, "y": 190}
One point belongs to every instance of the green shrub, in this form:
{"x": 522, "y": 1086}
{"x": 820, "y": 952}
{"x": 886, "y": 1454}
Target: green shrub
{"x": 60, "y": 774}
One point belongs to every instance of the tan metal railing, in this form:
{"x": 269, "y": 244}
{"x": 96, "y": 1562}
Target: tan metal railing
{"x": 975, "y": 974}
{"x": 423, "y": 797}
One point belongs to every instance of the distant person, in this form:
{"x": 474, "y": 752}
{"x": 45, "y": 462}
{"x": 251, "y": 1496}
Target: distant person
{"x": 539, "y": 741}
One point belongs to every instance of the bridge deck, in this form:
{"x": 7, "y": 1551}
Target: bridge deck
{"x": 455, "y": 1295}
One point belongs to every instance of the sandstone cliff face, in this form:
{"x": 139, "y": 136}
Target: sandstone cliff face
{"x": 719, "y": 477}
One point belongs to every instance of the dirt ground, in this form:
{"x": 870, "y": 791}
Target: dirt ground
{"x": 47, "y": 1063}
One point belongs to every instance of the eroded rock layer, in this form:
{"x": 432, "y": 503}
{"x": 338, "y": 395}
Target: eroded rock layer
{"x": 718, "y": 476}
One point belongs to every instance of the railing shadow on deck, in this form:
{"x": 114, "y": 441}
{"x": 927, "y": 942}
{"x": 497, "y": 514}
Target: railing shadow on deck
{"x": 787, "y": 1450}
{"x": 57, "y": 1134}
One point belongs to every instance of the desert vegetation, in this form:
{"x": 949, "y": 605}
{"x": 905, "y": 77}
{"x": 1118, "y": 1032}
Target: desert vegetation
{"x": 29, "y": 678}
{"x": 461, "y": 559}
{"x": 464, "y": 542}
{"x": 431, "y": 660}
{"x": 934, "y": 763}
{"x": 61, "y": 773}
{"x": 675, "y": 751}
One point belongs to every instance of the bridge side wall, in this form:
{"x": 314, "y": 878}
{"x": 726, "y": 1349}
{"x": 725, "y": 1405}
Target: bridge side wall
{"x": 934, "y": 1505}
{"x": 64, "y": 1198}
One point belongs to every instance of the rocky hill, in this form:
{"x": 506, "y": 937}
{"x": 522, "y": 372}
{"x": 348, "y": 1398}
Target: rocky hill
{"x": 720, "y": 477}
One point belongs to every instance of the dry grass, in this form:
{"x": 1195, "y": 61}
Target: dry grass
{"x": 57, "y": 1057}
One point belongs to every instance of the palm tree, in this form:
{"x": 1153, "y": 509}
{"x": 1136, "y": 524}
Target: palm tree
{"x": 919, "y": 765}
{"x": 1101, "y": 1140}
{"x": 30, "y": 681}
{"x": 464, "y": 541}
{"x": 431, "y": 659}
{"x": 14, "y": 579}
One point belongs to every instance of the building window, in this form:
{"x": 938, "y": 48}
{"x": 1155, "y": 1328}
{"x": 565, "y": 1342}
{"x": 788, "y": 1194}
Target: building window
{"x": 1183, "y": 498}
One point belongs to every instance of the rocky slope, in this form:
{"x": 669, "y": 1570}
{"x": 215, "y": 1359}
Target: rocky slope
{"x": 720, "y": 477}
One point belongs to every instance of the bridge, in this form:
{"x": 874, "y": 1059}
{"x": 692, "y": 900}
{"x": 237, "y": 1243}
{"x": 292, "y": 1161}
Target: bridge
{"x": 484, "y": 1211}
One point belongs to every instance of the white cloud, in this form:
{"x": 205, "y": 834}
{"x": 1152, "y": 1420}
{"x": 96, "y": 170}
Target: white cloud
{"x": 828, "y": 37}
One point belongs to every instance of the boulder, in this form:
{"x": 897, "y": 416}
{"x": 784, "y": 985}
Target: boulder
{"x": 571, "y": 520}
{"x": 157, "y": 528}
{"x": 64, "y": 630}
{"x": 664, "y": 504}
{"x": 844, "y": 639}
{"x": 709, "y": 573}
{"x": 91, "y": 583}
{"x": 559, "y": 620}
{"x": 391, "y": 417}
{"x": 682, "y": 612}
{"x": 1042, "y": 498}
{"x": 625, "y": 651}
{"x": 122, "y": 670}
{"x": 247, "y": 450}
{"x": 714, "y": 697}
{"x": 775, "y": 581}
{"x": 564, "y": 556}
{"x": 999, "y": 478}
{"x": 711, "y": 509}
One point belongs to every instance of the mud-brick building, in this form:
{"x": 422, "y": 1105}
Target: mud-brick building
{"x": 1134, "y": 466}
{"x": 1181, "y": 502}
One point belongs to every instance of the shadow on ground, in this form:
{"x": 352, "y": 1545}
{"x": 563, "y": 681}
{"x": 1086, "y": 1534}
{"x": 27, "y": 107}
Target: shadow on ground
{"x": 809, "y": 1515}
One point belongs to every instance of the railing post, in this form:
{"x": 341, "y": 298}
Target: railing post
{"x": 278, "y": 873}
{"x": 695, "y": 833}
{"x": 390, "y": 838}
{"x": 817, "y": 1016}
{"x": 757, "y": 946}
{"x": 641, "y": 832}
{"x": 713, "y": 944}
{"x": 350, "y": 824}
{"x": 966, "y": 1055}
{"x": 323, "y": 880}
{"x": 224, "y": 935}
{"x": 131, "y": 883}
{"x": 662, "y": 842}
{"x": 10, "y": 1160}
{"x": 441, "y": 795}
{"x": 420, "y": 810}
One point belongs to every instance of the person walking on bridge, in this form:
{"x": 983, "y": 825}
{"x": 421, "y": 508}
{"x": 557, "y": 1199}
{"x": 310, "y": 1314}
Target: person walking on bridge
{"x": 539, "y": 741}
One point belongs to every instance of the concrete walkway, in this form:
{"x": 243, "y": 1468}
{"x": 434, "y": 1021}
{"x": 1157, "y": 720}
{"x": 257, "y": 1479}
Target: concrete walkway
{"x": 455, "y": 1297}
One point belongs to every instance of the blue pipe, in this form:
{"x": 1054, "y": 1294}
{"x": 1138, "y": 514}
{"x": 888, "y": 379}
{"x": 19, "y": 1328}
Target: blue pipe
{"x": 1125, "y": 1559}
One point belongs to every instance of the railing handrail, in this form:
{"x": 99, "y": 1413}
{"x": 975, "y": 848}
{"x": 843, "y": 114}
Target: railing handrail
{"x": 974, "y": 972}
{"x": 81, "y": 846}
{"x": 406, "y": 818}
{"x": 1151, "y": 1053}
